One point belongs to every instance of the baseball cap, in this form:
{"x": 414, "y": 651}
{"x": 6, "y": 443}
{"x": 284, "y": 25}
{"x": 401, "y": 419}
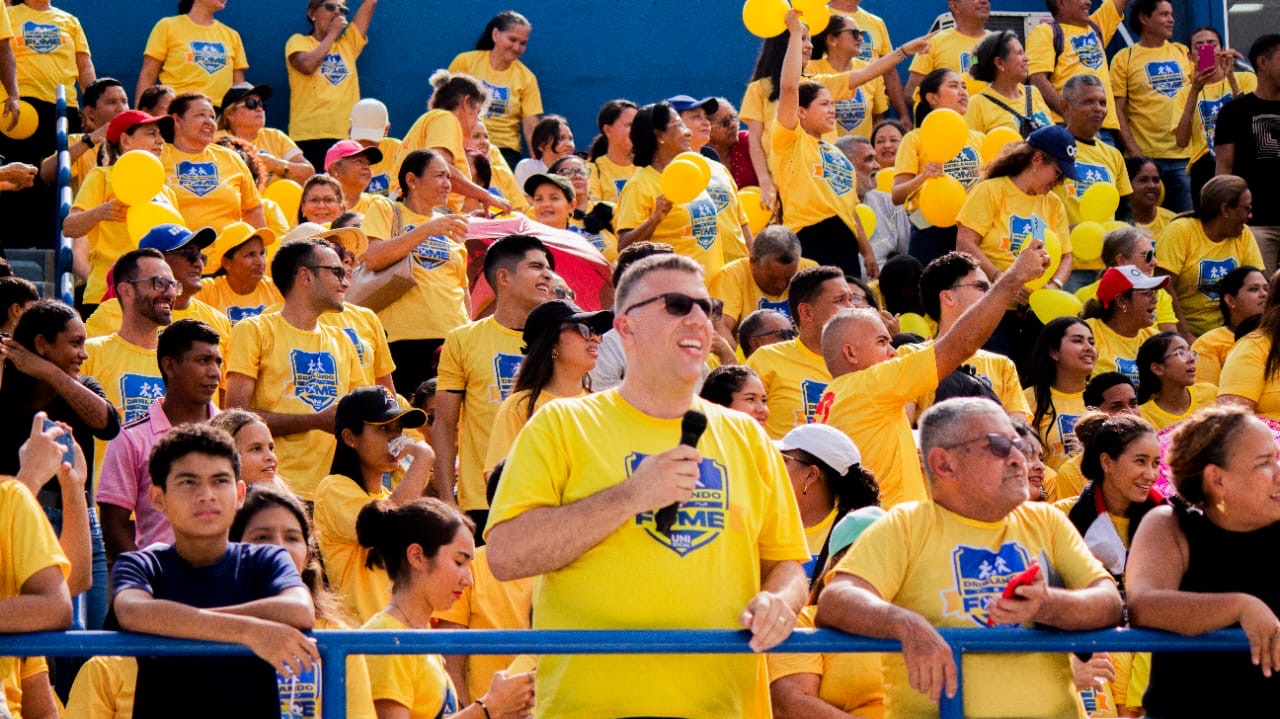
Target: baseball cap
{"x": 241, "y": 90}
{"x": 1059, "y": 144}
{"x": 550, "y": 315}
{"x": 170, "y": 237}
{"x": 343, "y": 149}
{"x": 129, "y": 119}
{"x": 851, "y": 526}
{"x": 374, "y": 405}
{"x": 369, "y": 120}
{"x": 684, "y": 103}
{"x": 1119, "y": 280}
{"x": 538, "y": 179}
{"x": 825, "y": 442}
{"x": 231, "y": 237}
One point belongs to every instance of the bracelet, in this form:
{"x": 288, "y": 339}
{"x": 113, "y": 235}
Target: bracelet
{"x": 902, "y": 53}
{"x": 485, "y": 708}
{"x": 1054, "y": 281}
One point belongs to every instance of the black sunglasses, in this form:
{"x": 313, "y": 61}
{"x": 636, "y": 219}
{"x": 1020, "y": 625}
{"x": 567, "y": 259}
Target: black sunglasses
{"x": 338, "y": 270}
{"x": 1000, "y": 446}
{"x": 190, "y": 253}
{"x": 786, "y": 333}
{"x": 678, "y": 304}
{"x": 335, "y": 7}
{"x": 584, "y": 330}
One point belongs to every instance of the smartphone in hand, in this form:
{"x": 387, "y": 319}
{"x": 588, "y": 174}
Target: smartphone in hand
{"x": 65, "y": 439}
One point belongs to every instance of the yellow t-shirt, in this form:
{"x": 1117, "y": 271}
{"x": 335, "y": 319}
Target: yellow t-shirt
{"x": 511, "y": 417}
{"x": 1117, "y": 353}
{"x": 1198, "y": 264}
{"x": 107, "y": 318}
{"x": 214, "y": 187}
{"x": 1006, "y": 218}
{"x": 296, "y": 372}
{"x": 45, "y": 46}
{"x": 436, "y": 305}
{"x": 503, "y": 180}
{"x": 948, "y": 568}
{"x": 1203, "y": 394}
{"x": 852, "y": 683}
{"x": 382, "y": 182}
{"x": 513, "y": 95}
{"x": 730, "y": 217}
{"x": 362, "y": 327}
{"x": 701, "y": 577}
{"x": 868, "y": 405}
{"x": 80, "y": 166}
{"x": 814, "y": 178}
{"x": 1151, "y": 78}
{"x": 950, "y": 49}
{"x": 196, "y": 58}
{"x": 1244, "y": 375}
{"x": 741, "y": 295}
{"x": 273, "y": 142}
{"x": 756, "y": 106}
{"x": 1164, "y": 304}
{"x": 103, "y": 689}
{"x": 215, "y": 292}
{"x": 856, "y": 113}
{"x": 607, "y": 178}
{"x": 1096, "y": 161}
{"x": 435, "y": 130}
{"x": 1000, "y": 374}
{"x": 1058, "y": 431}
{"x": 691, "y": 228}
{"x": 480, "y": 359}
{"x": 1067, "y": 483}
{"x": 965, "y": 166}
{"x": 417, "y": 682}
{"x": 27, "y": 542}
{"x": 984, "y": 115}
{"x": 1163, "y": 217}
{"x": 1082, "y": 52}
{"x": 1212, "y": 347}
{"x": 489, "y": 604}
{"x": 363, "y": 591}
{"x": 107, "y": 240}
{"x": 875, "y": 34}
{"x": 794, "y": 378}
{"x": 1204, "y": 122}
{"x": 130, "y": 377}
{"x": 320, "y": 103}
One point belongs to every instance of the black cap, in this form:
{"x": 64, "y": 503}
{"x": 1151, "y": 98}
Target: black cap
{"x": 550, "y": 315}
{"x": 374, "y": 405}
{"x": 241, "y": 90}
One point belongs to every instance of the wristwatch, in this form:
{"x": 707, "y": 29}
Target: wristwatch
{"x": 87, "y": 142}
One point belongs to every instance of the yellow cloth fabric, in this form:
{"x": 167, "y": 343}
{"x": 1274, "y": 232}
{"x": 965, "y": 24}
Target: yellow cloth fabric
{"x": 951, "y": 49}
{"x": 756, "y": 106}
{"x": 214, "y": 187}
{"x": 513, "y": 95}
{"x": 1057, "y": 430}
{"x": 436, "y": 305}
{"x": 1151, "y": 78}
{"x": 107, "y": 240}
{"x": 1163, "y": 217}
{"x": 1096, "y": 162}
{"x": 853, "y": 683}
{"x": 868, "y": 405}
{"x": 45, "y": 44}
{"x": 1164, "y": 304}
{"x": 196, "y": 58}
{"x": 1203, "y": 395}
{"x": 947, "y": 568}
{"x": 11, "y": 680}
{"x": 794, "y": 378}
{"x": 129, "y": 376}
{"x": 742, "y": 296}
{"x": 320, "y": 103}
{"x": 856, "y": 112}
{"x": 504, "y": 180}
{"x": 816, "y": 537}
{"x": 489, "y": 604}
{"x": 362, "y": 326}
{"x": 382, "y": 182}
{"x": 964, "y": 166}
{"x": 1244, "y": 375}
{"x": 1212, "y": 347}
{"x": 875, "y": 34}
{"x": 1000, "y": 374}
{"x": 363, "y": 591}
{"x": 1067, "y": 484}
{"x": 702, "y": 576}
{"x": 417, "y": 682}
{"x": 80, "y": 166}
{"x": 730, "y": 216}
{"x": 1117, "y": 353}
{"x": 296, "y": 372}
{"x": 107, "y": 318}
{"x": 27, "y": 542}
{"x": 103, "y": 689}
{"x": 985, "y": 116}
{"x": 814, "y": 178}
{"x": 692, "y": 228}
{"x": 1082, "y": 52}
{"x": 507, "y": 423}
{"x": 1006, "y": 219}
{"x": 1204, "y": 122}
{"x": 607, "y": 178}
{"x": 480, "y": 359}
{"x": 435, "y": 130}
{"x": 1198, "y": 264}
{"x": 215, "y": 292}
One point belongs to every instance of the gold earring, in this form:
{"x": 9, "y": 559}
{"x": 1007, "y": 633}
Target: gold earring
{"x": 555, "y": 353}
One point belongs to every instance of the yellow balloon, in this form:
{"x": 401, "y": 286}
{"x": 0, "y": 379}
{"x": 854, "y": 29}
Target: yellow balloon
{"x": 682, "y": 181}
{"x": 915, "y": 324}
{"x": 287, "y": 194}
{"x": 867, "y": 217}
{"x": 884, "y": 180}
{"x": 757, "y": 215}
{"x": 28, "y": 121}
{"x": 1052, "y": 245}
{"x": 698, "y": 159}
{"x": 137, "y": 177}
{"x": 813, "y": 13}
{"x": 942, "y": 134}
{"x": 765, "y": 18}
{"x": 940, "y": 200}
{"x": 997, "y": 140}
{"x": 1099, "y": 203}
{"x": 142, "y": 217}
{"x": 1086, "y": 241}
{"x": 1051, "y": 304}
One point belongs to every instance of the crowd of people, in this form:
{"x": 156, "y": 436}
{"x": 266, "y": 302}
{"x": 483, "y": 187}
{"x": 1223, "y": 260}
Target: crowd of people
{"x": 810, "y": 399}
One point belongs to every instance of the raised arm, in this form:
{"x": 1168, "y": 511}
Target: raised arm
{"x": 888, "y": 64}
{"x": 789, "y": 81}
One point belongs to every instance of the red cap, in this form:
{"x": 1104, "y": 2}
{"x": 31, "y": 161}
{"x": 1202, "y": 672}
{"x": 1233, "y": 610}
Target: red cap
{"x": 129, "y": 119}
{"x": 1119, "y": 280}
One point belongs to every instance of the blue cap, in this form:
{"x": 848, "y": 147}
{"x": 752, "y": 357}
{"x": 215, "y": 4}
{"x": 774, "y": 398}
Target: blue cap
{"x": 170, "y": 237}
{"x": 684, "y": 103}
{"x": 1058, "y": 143}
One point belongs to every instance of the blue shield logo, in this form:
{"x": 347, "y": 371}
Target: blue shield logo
{"x": 235, "y": 314}
{"x": 137, "y": 393}
{"x": 198, "y": 178}
{"x": 966, "y": 62}
{"x": 1212, "y": 272}
{"x": 701, "y": 519}
{"x": 867, "y": 51}
{"x": 1088, "y": 49}
{"x": 980, "y": 576}
{"x": 210, "y": 56}
{"x": 811, "y": 391}
{"x": 852, "y": 112}
{"x": 719, "y": 194}
{"x": 1089, "y": 175}
{"x": 1165, "y": 77}
{"x": 596, "y": 240}
{"x": 379, "y": 184}
{"x": 499, "y": 100}
{"x": 334, "y": 68}
{"x": 357, "y": 342}
{"x": 431, "y": 253}
{"x": 1128, "y": 368}
{"x": 505, "y": 367}
{"x": 964, "y": 166}
{"x": 784, "y": 307}
{"x": 315, "y": 378}
{"x": 837, "y": 171}
{"x": 1041, "y": 119}
{"x": 41, "y": 38}
{"x": 1023, "y": 230}
{"x": 1208, "y": 110}
{"x": 1066, "y": 424}
{"x": 702, "y": 216}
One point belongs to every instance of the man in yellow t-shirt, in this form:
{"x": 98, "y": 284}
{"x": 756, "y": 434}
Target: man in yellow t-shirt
{"x": 478, "y": 366}
{"x": 953, "y": 47}
{"x": 1074, "y": 43}
{"x": 871, "y": 384}
{"x": 290, "y": 369}
{"x": 945, "y": 563}
{"x": 760, "y": 281}
{"x": 590, "y": 518}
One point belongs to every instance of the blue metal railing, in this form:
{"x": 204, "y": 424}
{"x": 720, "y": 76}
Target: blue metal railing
{"x": 63, "y": 279}
{"x": 335, "y": 646}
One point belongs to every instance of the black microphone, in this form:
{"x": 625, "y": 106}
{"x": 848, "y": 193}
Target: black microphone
{"x": 692, "y": 426}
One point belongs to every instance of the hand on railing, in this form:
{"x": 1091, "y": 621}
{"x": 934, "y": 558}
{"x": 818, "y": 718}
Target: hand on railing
{"x": 1263, "y": 630}
{"x": 1099, "y": 670}
{"x": 931, "y": 666}
{"x": 288, "y": 650}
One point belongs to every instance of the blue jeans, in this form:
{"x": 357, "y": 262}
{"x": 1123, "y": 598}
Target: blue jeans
{"x": 1177, "y": 184}
{"x": 91, "y": 607}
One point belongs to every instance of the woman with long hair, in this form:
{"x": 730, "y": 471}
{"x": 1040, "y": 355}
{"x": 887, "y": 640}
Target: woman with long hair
{"x": 551, "y": 140}
{"x": 737, "y": 386}
{"x": 610, "y": 157}
{"x": 1250, "y": 377}
{"x": 213, "y": 185}
{"x": 1167, "y": 388}
{"x": 1122, "y": 317}
{"x": 1061, "y": 361}
{"x": 1242, "y": 295}
{"x": 516, "y": 104}
{"x": 244, "y": 115}
{"x": 1008, "y": 100}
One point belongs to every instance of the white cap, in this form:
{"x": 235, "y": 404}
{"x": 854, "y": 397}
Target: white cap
{"x": 369, "y": 120}
{"x": 825, "y": 442}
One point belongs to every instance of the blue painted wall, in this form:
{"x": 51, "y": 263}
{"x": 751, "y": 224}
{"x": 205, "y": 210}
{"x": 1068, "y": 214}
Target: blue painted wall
{"x": 583, "y": 51}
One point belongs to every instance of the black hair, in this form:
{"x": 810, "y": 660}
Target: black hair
{"x": 15, "y": 291}
{"x": 495, "y": 478}
{"x": 995, "y": 46}
{"x": 942, "y": 274}
{"x": 1269, "y": 325}
{"x": 538, "y": 367}
{"x": 289, "y": 258}
{"x": 649, "y": 121}
{"x": 423, "y": 392}
{"x": 1205, "y": 28}
{"x": 1137, "y": 9}
{"x": 45, "y": 318}
{"x": 1152, "y": 351}
{"x": 248, "y": 153}
{"x": 723, "y": 381}
{"x": 635, "y": 252}
{"x": 890, "y": 122}
{"x": 1013, "y": 160}
{"x": 546, "y": 132}
{"x": 931, "y": 83}
{"x": 177, "y": 339}
{"x": 855, "y": 489}
{"x": 769, "y": 62}
{"x": 190, "y": 439}
{"x": 1098, "y": 385}
{"x": 97, "y": 89}
{"x": 900, "y": 284}
{"x": 506, "y": 253}
{"x": 807, "y": 284}
{"x": 1231, "y": 284}
{"x": 481, "y": 168}
{"x": 179, "y": 105}
{"x": 415, "y": 163}
{"x": 609, "y": 114}
{"x": 809, "y": 91}
{"x": 388, "y": 531}
{"x": 150, "y": 97}
{"x": 1044, "y": 369}
{"x": 125, "y": 268}
{"x": 346, "y": 219}
{"x": 501, "y": 22}
{"x": 184, "y": 6}
{"x": 872, "y": 302}
{"x": 838, "y": 24}
{"x": 453, "y": 89}
{"x": 1263, "y": 47}
{"x": 1112, "y": 438}
{"x": 1133, "y": 164}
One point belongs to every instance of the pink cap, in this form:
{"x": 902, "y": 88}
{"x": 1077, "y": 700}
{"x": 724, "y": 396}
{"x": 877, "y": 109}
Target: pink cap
{"x": 343, "y": 149}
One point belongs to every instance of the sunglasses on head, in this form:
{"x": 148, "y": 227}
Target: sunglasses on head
{"x": 1000, "y": 446}
{"x": 253, "y": 103}
{"x": 678, "y": 304}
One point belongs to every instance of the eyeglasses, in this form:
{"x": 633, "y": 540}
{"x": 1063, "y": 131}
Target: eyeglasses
{"x": 584, "y": 330}
{"x": 564, "y": 293}
{"x": 678, "y": 304}
{"x": 1149, "y": 255}
{"x": 322, "y": 200}
{"x": 730, "y": 121}
{"x": 565, "y": 172}
{"x": 1000, "y": 446}
{"x": 979, "y": 285}
{"x": 338, "y": 270}
{"x": 785, "y": 333}
{"x": 336, "y": 7}
{"x": 253, "y": 103}
{"x": 190, "y": 253}
{"x": 1183, "y": 354}
{"x": 158, "y": 283}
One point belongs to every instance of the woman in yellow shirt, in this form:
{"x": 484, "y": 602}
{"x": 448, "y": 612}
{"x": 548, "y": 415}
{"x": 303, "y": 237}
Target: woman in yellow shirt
{"x": 593, "y": 219}
{"x": 322, "y": 200}
{"x": 193, "y": 52}
{"x": 1251, "y": 375}
{"x": 835, "y": 50}
{"x": 1167, "y": 388}
{"x": 239, "y": 286}
{"x": 516, "y": 102}
{"x": 244, "y": 115}
{"x": 1008, "y": 100}
{"x": 551, "y": 140}
{"x": 610, "y": 157}
{"x": 1061, "y": 361}
{"x": 1122, "y": 317}
{"x": 1145, "y": 211}
{"x": 213, "y": 185}
{"x": 1242, "y": 295}
{"x": 426, "y": 547}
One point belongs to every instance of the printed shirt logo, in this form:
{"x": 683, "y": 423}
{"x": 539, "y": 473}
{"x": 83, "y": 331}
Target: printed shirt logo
{"x": 450, "y": 705}
{"x": 782, "y": 306}
{"x": 334, "y": 68}
{"x": 357, "y": 342}
{"x": 1208, "y": 110}
{"x": 964, "y": 166}
{"x": 315, "y": 378}
{"x": 1041, "y": 119}
{"x": 1096, "y": 702}
{"x": 1089, "y": 174}
{"x": 966, "y": 62}
{"x": 811, "y": 396}
{"x": 702, "y": 221}
{"x": 210, "y": 56}
{"x": 379, "y": 184}
{"x": 868, "y": 49}
{"x": 1088, "y": 50}
{"x": 198, "y": 178}
{"x": 235, "y": 314}
{"x": 1211, "y": 273}
{"x": 1022, "y": 230}
{"x": 1128, "y": 368}
{"x": 980, "y": 576}
{"x": 137, "y": 393}
{"x": 41, "y": 38}
{"x": 719, "y": 194}
{"x": 852, "y": 112}
{"x": 1164, "y": 76}
{"x": 505, "y": 367}
{"x": 299, "y": 695}
{"x": 620, "y": 183}
{"x": 499, "y": 100}
{"x": 700, "y": 520}
{"x": 596, "y": 240}
{"x": 432, "y": 253}
{"x": 835, "y": 169}
{"x": 1066, "y": 424}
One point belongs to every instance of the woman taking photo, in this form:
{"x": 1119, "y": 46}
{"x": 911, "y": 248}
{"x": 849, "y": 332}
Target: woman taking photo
{"x": 244, "y": 115}
{"x": 551, "y": 140}
{"x": 610, "y": 158}
{"x": 1061, "y": 361}
{"x": 1122, "y": 317}
{"x": 1242, "y": 295}
{"x": 1208, "y": 562}
{"x": 322, "y": 200}
{"x": 1008, "y": 100}
{"x": 213, "y": 185}
{"x": 417, "y": 322}
{"x": 240, "y": 287}
{"x": 1200, "y": 102}
{"x": 169, "y": 59}
{"x": 836, "y": 50}
{"x": 1145, "y": 211}
{"x": 1167, "y": 388}
{"x": 737, "y": 387}
{"x": 516, "y": 102}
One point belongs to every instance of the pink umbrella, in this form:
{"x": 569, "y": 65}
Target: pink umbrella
{"x": 1163, "y": 485}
